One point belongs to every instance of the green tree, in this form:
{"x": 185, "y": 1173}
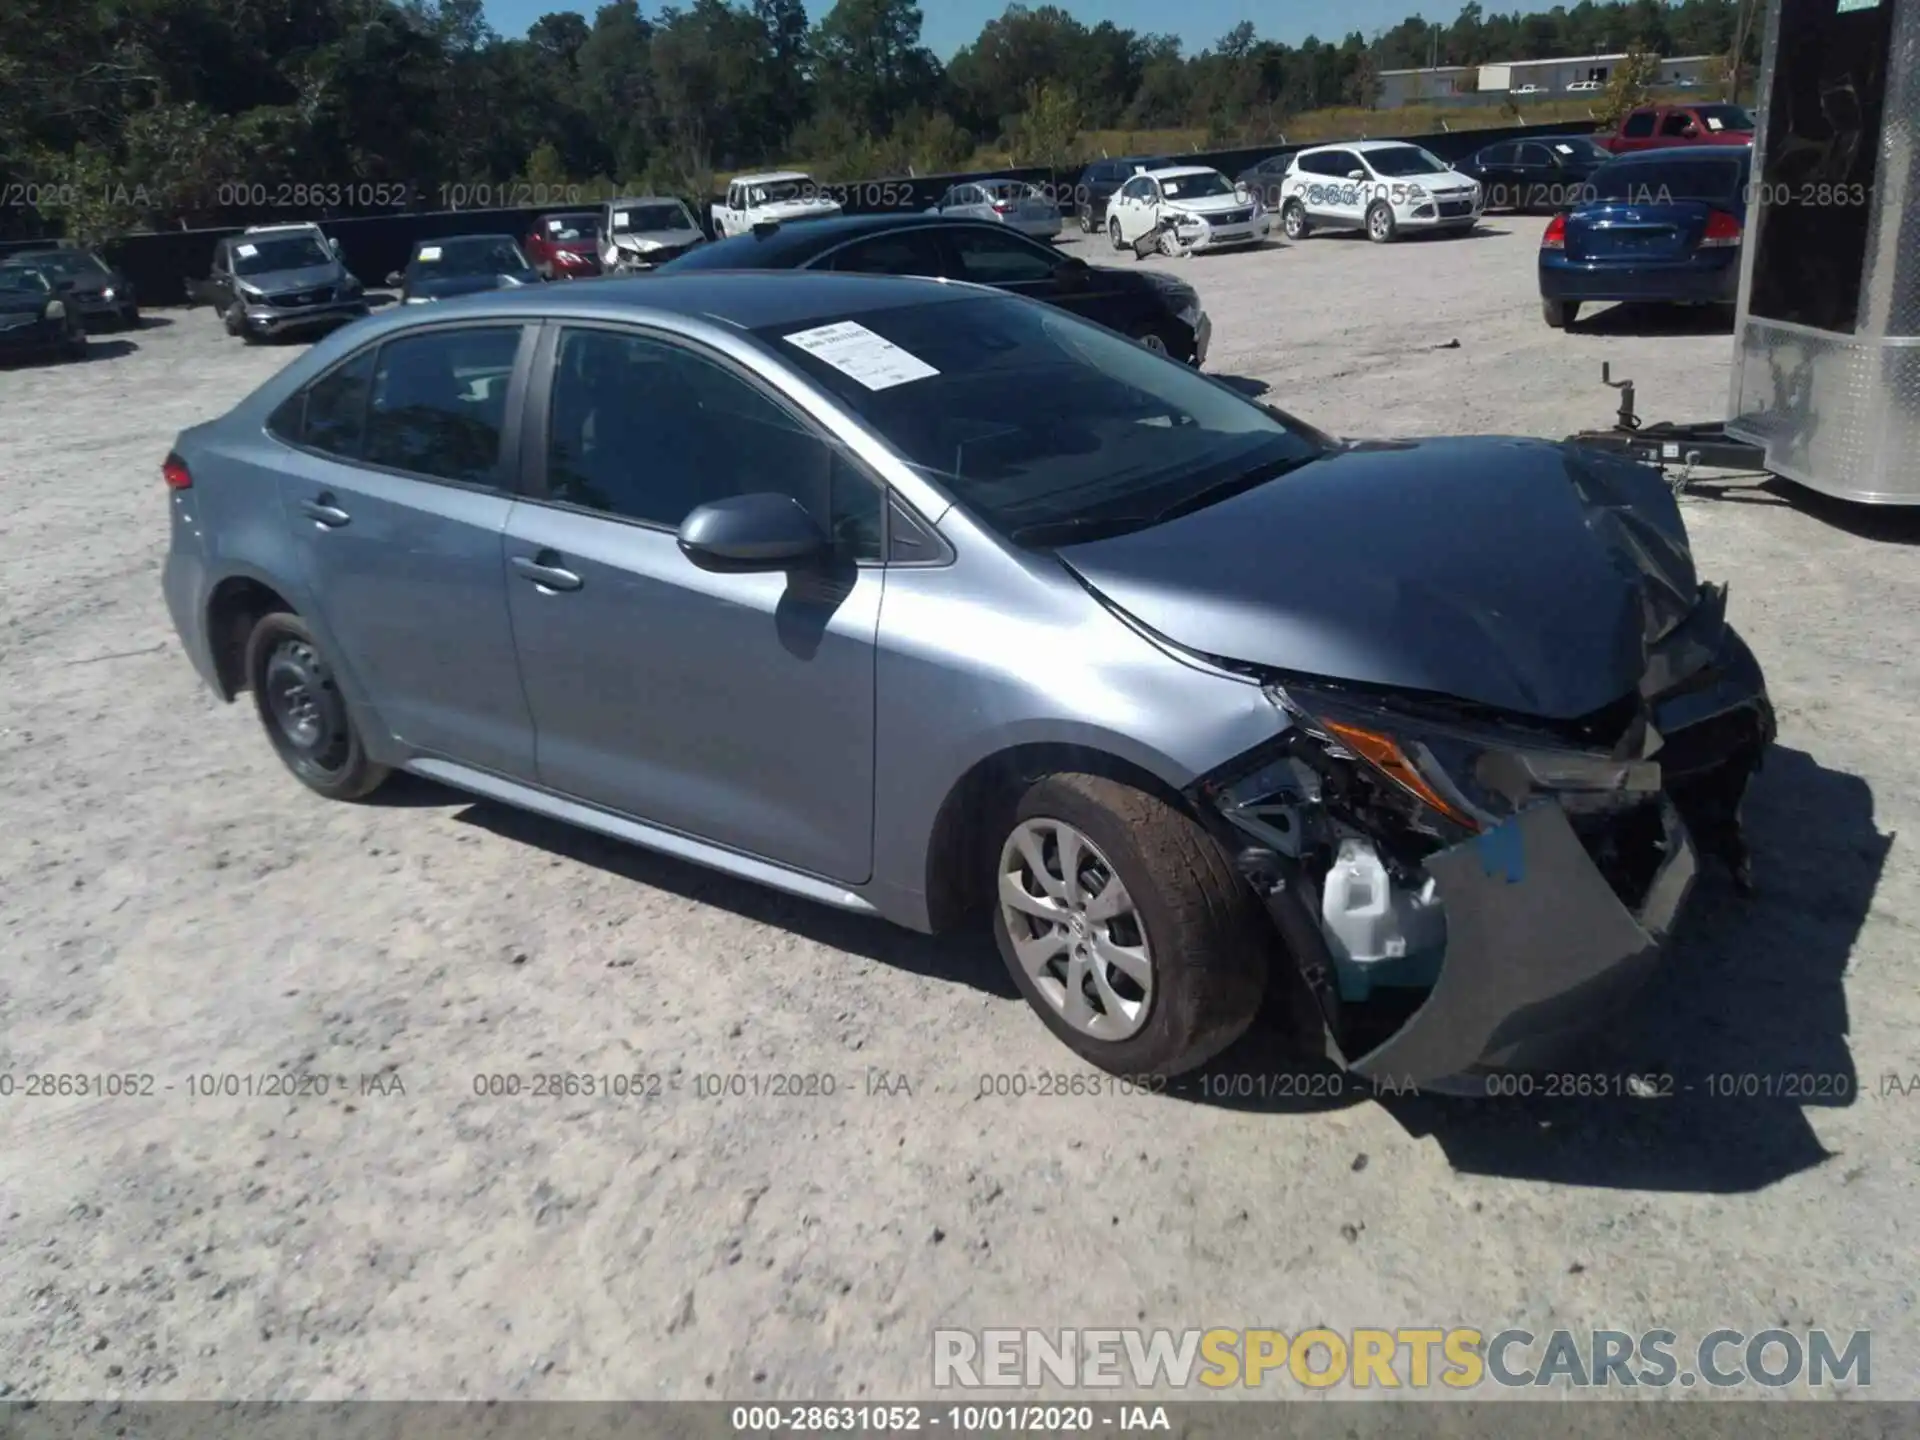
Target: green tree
{"x": 1048, "y": 130}
{"x": 1628, "y": 86}
{"x": 872, "y": 66}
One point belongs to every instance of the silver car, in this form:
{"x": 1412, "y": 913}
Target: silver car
{"x": 943, "y": 605}
{"x": 643, "y": 231}
{"x": 1013, "y": 203}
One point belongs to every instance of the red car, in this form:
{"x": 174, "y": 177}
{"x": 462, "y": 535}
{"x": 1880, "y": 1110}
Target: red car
{"x": 566, "y": 244}
{"x": 1656, "y": 127}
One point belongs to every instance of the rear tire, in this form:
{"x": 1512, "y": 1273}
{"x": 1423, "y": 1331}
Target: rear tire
{"x": 304, "y": 712}
{"x": 1560, "y": 314}
{"x": 1187, "y": 923}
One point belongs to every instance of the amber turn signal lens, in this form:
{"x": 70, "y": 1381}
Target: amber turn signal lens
{"x": 1383, "y": 752}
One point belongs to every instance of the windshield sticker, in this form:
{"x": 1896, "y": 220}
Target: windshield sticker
{"x": 429, "y": 252}
{"x": 1564, "y": 149}
{"x": 246, "y": 252}
{"x": 556, "y": 226}
{"x": 861, "y": 355}
{"x": 622, "y": 219}
{"x": 1714, "y": 122}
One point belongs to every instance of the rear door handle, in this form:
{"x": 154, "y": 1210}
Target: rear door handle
{"x": 548, "y": 576}
{"x": 323, "y": 511}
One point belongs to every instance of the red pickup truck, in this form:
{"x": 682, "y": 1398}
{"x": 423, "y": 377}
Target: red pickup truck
{"x": 1655, "y": 127}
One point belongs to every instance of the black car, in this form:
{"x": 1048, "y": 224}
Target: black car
{"x": 1549, "y": 174}
{"x": 91, "y": 286}
{"x": 35, "y": 318}
{"x": 462, "y": 265}
{"x": 1162, "y": 313}
{"x": 1099, "y": 181}
{"x": 1266, "y": 177}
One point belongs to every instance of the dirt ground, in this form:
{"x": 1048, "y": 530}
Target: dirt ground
{"x": 173, "y": 905}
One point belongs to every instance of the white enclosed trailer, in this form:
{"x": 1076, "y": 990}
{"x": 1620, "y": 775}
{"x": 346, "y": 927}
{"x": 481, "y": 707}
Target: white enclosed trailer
{"x": 1826, "y": 373}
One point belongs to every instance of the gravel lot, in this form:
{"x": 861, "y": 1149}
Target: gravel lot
{"x": 172, "y": 904}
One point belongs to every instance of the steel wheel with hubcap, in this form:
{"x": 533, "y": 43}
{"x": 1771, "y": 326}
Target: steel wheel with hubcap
{"x": 1075, "y": 929}
{"x": 1123, "y": 924}
{"x": 304, "y": 712}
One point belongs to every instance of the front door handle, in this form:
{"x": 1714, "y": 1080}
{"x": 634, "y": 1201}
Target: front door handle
{"x": 542, "y": 572}
{"x": 323, "y": 511}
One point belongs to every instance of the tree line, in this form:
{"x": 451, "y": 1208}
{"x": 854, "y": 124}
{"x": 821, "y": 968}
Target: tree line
{"x": 121, "y": 114}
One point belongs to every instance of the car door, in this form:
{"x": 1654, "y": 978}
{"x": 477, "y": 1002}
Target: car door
{"x": 1494, "y": 168}
{"x": 1534, "y": 175}
{"x": 1347, "y": 197}
{"x": 1676, "y": 127}
{"x": 734, "y": 708}
{"x": 1138, "y": 207}
{"x": 396, "y": 477}
{"x": 217, "y": 288}
{"x": 1010, "y": 261}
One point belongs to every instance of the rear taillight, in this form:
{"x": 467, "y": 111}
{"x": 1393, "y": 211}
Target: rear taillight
{"x": 174, "y": 471}
{"x": 1722, "y": 230}
{"x": 1556, "y": 236}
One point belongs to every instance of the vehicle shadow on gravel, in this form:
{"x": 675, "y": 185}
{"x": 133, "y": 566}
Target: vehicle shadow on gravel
{"x": 1746, "y": 1026}
{"x": 1633, "y": 318}
{"x": 98, "y": 349}
{"x": 967, "y": 958}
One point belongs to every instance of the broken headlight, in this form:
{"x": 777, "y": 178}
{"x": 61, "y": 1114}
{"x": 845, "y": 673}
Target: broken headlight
{"x": 1473, "y": 778}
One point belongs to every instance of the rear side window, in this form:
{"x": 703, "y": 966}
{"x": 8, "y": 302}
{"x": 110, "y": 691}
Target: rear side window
{"x": 439, "y": 403}
{"x": 1536, "y": 155}
{"x": 1639, "y": 124}
{"x": 330, "y": 415}
{"x": 991, "y": 258}
{"x": 1496, "y": 155}
{"x": 905, "y": 252}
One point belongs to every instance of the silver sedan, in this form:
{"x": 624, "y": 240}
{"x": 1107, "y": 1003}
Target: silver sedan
{"x": 1010, "y": 202}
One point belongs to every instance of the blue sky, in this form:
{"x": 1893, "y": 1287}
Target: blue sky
{"x": 953, "y": 23}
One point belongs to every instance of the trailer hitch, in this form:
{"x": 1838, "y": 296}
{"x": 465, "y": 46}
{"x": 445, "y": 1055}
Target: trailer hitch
{"x": 1665, "y": 444}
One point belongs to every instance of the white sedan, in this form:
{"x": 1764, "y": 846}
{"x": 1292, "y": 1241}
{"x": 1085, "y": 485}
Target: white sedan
{"x": 1203, "y": 208}
{"x": 1385, "y": 187}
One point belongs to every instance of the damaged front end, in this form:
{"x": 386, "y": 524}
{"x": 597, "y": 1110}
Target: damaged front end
{"x": 1465, "y": 890}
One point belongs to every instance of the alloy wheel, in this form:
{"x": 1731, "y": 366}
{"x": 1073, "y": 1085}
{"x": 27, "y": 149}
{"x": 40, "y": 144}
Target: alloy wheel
{"x": 1380, "y": 223}
{"x": 1075, "y": 929}
{"x": 1152, "y": 341}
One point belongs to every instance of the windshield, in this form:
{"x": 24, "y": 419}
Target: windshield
{"x": 780, "y": 192}
{"x": 1716, "y": 182}
{"x": 1725, "y": 117}
{"x": 70, "y": 263}
{"x": 262, "y": 255}
{"x": 1581, "y": 148}
{"x": 481, "y": 255}
{"x": 1195, "y": 187}
{"x": 1038, "y": 421}
{"x": 655, "y": 215}
{"x": 23, "y": 280}
{"x": 1405, "y": 160}
{"x": 562, "y": 228}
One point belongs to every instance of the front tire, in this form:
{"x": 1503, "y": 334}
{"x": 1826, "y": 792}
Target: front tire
{"x": 1293, "y": 221}
{"x": 1560, "y": 314}
{"x": 1124, "y": 926}
{"x": 1113, "y": 233}
{"x": 1380, "y": 226}
{"x": 304, "y": 712}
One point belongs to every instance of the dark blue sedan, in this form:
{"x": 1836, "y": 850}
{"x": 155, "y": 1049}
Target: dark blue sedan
{"x": 1660, "y": 225}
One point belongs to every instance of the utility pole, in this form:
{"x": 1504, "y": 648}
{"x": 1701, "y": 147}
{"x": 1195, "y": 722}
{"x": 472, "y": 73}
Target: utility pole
{"x": 1742, "y": 24}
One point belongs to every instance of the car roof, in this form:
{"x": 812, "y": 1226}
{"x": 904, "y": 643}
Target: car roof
{"x": 744, "y": 299}
{"x": 1726, "y": 154}
{"x": 286, "y": 228}
{"x": 795, "y": 244}
{"x": 456, "y": 239}
{"x": 761, "y": 177}
{"x": 1174, "y": 172}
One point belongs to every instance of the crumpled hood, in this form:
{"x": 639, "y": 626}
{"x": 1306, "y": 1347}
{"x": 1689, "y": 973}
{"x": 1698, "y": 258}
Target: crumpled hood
{"x": 1525, "y": 575}
{"x": 444, "y": 287}
{"x": 639, "y": 241}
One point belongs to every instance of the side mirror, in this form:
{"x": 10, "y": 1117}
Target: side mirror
{"x": 752, "y": 533}
{"x": 394, "y": 277}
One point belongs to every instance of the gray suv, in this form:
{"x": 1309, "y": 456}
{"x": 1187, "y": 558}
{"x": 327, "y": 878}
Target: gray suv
{"x": 275, "y": 280}
{"x": 931, "y": 602}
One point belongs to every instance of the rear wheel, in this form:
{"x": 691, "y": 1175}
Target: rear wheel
{"x": 1124, "y": 926}
{"x": 1560, "y": 314}
{"x": 304, "y": 712}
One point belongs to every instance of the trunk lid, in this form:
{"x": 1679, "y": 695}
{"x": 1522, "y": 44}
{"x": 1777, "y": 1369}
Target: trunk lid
{"x": 1627, "y": 232}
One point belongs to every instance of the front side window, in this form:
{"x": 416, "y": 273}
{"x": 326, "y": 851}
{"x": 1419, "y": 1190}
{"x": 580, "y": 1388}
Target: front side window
{"x": 439, "y": 403}
{"x": 1036, "y": 420}
{"x": 1725, "y": 117}
{"x": 1536, "y": 156}
{"x": 560, "y": 229}
{"x": 989, "y": 258}
{"x": 905, "y": 252}
{"x": 1495, "y": 155}
{"x": 648, "y": 430}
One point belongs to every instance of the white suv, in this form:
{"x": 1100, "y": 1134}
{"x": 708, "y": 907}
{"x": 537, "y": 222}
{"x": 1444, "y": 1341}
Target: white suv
{"x": 1385, "y": 187}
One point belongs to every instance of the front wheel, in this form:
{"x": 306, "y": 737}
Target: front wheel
{"x": 1113, "y": 233}
{"x": 304, "y": 712}
{"x": 1380, "y": 226}
{"x": 1560, "y": 314}
{"x": 1293, "y": 220}
{"x": 1123, "y": 924}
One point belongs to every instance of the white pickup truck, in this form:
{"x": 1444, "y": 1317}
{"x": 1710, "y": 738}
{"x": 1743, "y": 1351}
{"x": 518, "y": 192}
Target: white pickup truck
{"x": 780, "y": 197}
